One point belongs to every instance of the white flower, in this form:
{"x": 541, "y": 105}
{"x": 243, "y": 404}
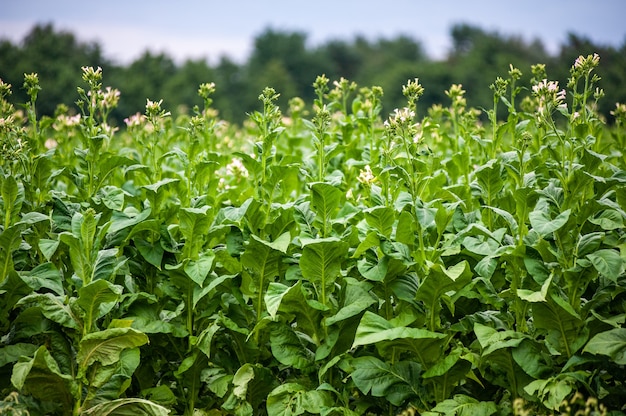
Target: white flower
{"x": 366, "y": 176}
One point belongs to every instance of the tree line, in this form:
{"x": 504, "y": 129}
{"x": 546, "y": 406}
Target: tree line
{"x": 284, "y": 61}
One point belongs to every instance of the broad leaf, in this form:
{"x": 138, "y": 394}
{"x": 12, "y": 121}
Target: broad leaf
{"x": 325, "y": 199}
{"x": 52, "y": 307}
{"x": 106, "y": 346}
{"x": 292, "y": 399}
{"x": 611, "y": 343}
{"x": 544, "y": 225}
{"x": 97, "y": 299}
{"x": 608, "y": 263}
{"x": 321, "y": 263}
{"x": 373, "y": 328}
{"x": 462, "y": 405}
{"x": 289, "y": 348}
{"x": 41, "y": 378}
{"x": 199, "y": 269}
{"x": 44, "y": 276}
{"x": 396, "y": 382}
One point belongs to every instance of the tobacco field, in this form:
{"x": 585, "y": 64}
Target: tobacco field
{"x": 321, "y": 259}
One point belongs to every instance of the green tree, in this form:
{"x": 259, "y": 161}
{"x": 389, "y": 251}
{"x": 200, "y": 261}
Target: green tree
{"x": 57, "y": 57}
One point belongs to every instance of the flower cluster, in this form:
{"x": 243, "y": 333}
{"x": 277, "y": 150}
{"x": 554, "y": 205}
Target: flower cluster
{"x": 413, "y": 90}
{"x": 135, "y": 120}
{"x": 585, "y": 65}
{"x": 400, "y": 123}
{"x": 620, "y": 114}
{"x": 366, "y": 176}
{"x": 549, "y": 96}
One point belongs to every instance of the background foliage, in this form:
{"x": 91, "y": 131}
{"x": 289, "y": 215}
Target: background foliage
{"x": 285, "y": 61}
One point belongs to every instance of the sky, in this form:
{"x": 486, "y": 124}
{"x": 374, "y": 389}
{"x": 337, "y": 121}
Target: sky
{"x": 196, "y": 29}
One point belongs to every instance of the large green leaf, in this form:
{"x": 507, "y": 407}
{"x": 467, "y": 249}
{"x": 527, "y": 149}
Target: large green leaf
{"x": 97, "y": 299}
{"x": 565, "y": 329}
{"x": 127, "y": 407}
{"x": 12, "y": 198}
{"x": 11, "y": 353}
{"x": 199, "y": 269}
{"x": 544, "y": 225}
{"x": 357, "y": 299}
{"x": 438, "y": 282}
{"x": 373, "y": 328}
{"x": 321, "y": 263}
{"x": 381, "y": 218}
{"x": 396, "y": 382}
{"x": 608, "y": 263}
{"x": 463, "y": 405}
{"x": 10, "y": 240}
{"x": 194, "y": 226}
{"x": 106, "y": 346}
{"x": 289, "y": 348}
{"x": 292, "y": 399}
{"x": 105, "y": 264}
{"x": 492, "y": 340}
{"x": 261, "y": 261}
{"x": 44, "y": 276}
{"x": 292, "y": 302}
{"x": 41, "y": 378}
{"x": 611, "y": 343}
{"x": 52, "y": 307}
{"x": 325, "y": 199}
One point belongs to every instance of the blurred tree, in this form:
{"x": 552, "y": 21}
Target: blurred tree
{"x": 145, "y": 78}
{"x": 57, "y": 57}
{"x": 284, "y": 61}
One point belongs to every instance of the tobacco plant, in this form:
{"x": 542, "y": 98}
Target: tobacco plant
{"x": 323, "y": 259}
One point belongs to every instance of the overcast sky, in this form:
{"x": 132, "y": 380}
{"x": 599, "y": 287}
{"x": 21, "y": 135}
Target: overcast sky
{"x": 209, "y": 29}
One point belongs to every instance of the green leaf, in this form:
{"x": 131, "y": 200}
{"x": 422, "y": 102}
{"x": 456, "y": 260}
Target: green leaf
{"x": 44, "y": 276}
{"x": 609, "y": 219}
{"x": 565, "y": 329}
{"x": 551, "y": 392}
{"x": 325, "y": 199}
{"x": 321, "y": 263}
{"x": 462, "y": 405}
{"x": 151, "y": 252}
{"x": 127, "y": 407}
{"x": 544, "y": 225}
{"x": 97, "y": 299}
{"x": 11, "y": 353}
{"x": 52, "y": 307}
{"x": 41, "y": 378}
{"x": 440, "y": 281}
{"x": 10, "y": 240}
{"x": 194, "y": 226}
{"x": 373, "y": 328}
{"x": 289, "y": 348}
{"x": 492, "y": 340}
{"x": 274, "y": 296}
{"x": 105, "y": 264}
{"x": 111, "y": 196}
{"x": 12, "y": 198}
{"x": 262, "y": 261}
{"x": 292, "y": 399}
{"x": 357, "y": 298}
{"x": 380, "y": 218}
{"x": 611, "y": 343}
{"x": 396, "y": 382}
{"x": 199, "y": 269}
{"x": 608, "y": 263}
{"x": 48, "y": 247}
{"x": 106, "y": 346}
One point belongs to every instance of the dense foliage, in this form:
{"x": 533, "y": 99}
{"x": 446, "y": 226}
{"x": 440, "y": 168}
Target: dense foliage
{"x": 318, "y": 261}
{"x": 288, "y": 62}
